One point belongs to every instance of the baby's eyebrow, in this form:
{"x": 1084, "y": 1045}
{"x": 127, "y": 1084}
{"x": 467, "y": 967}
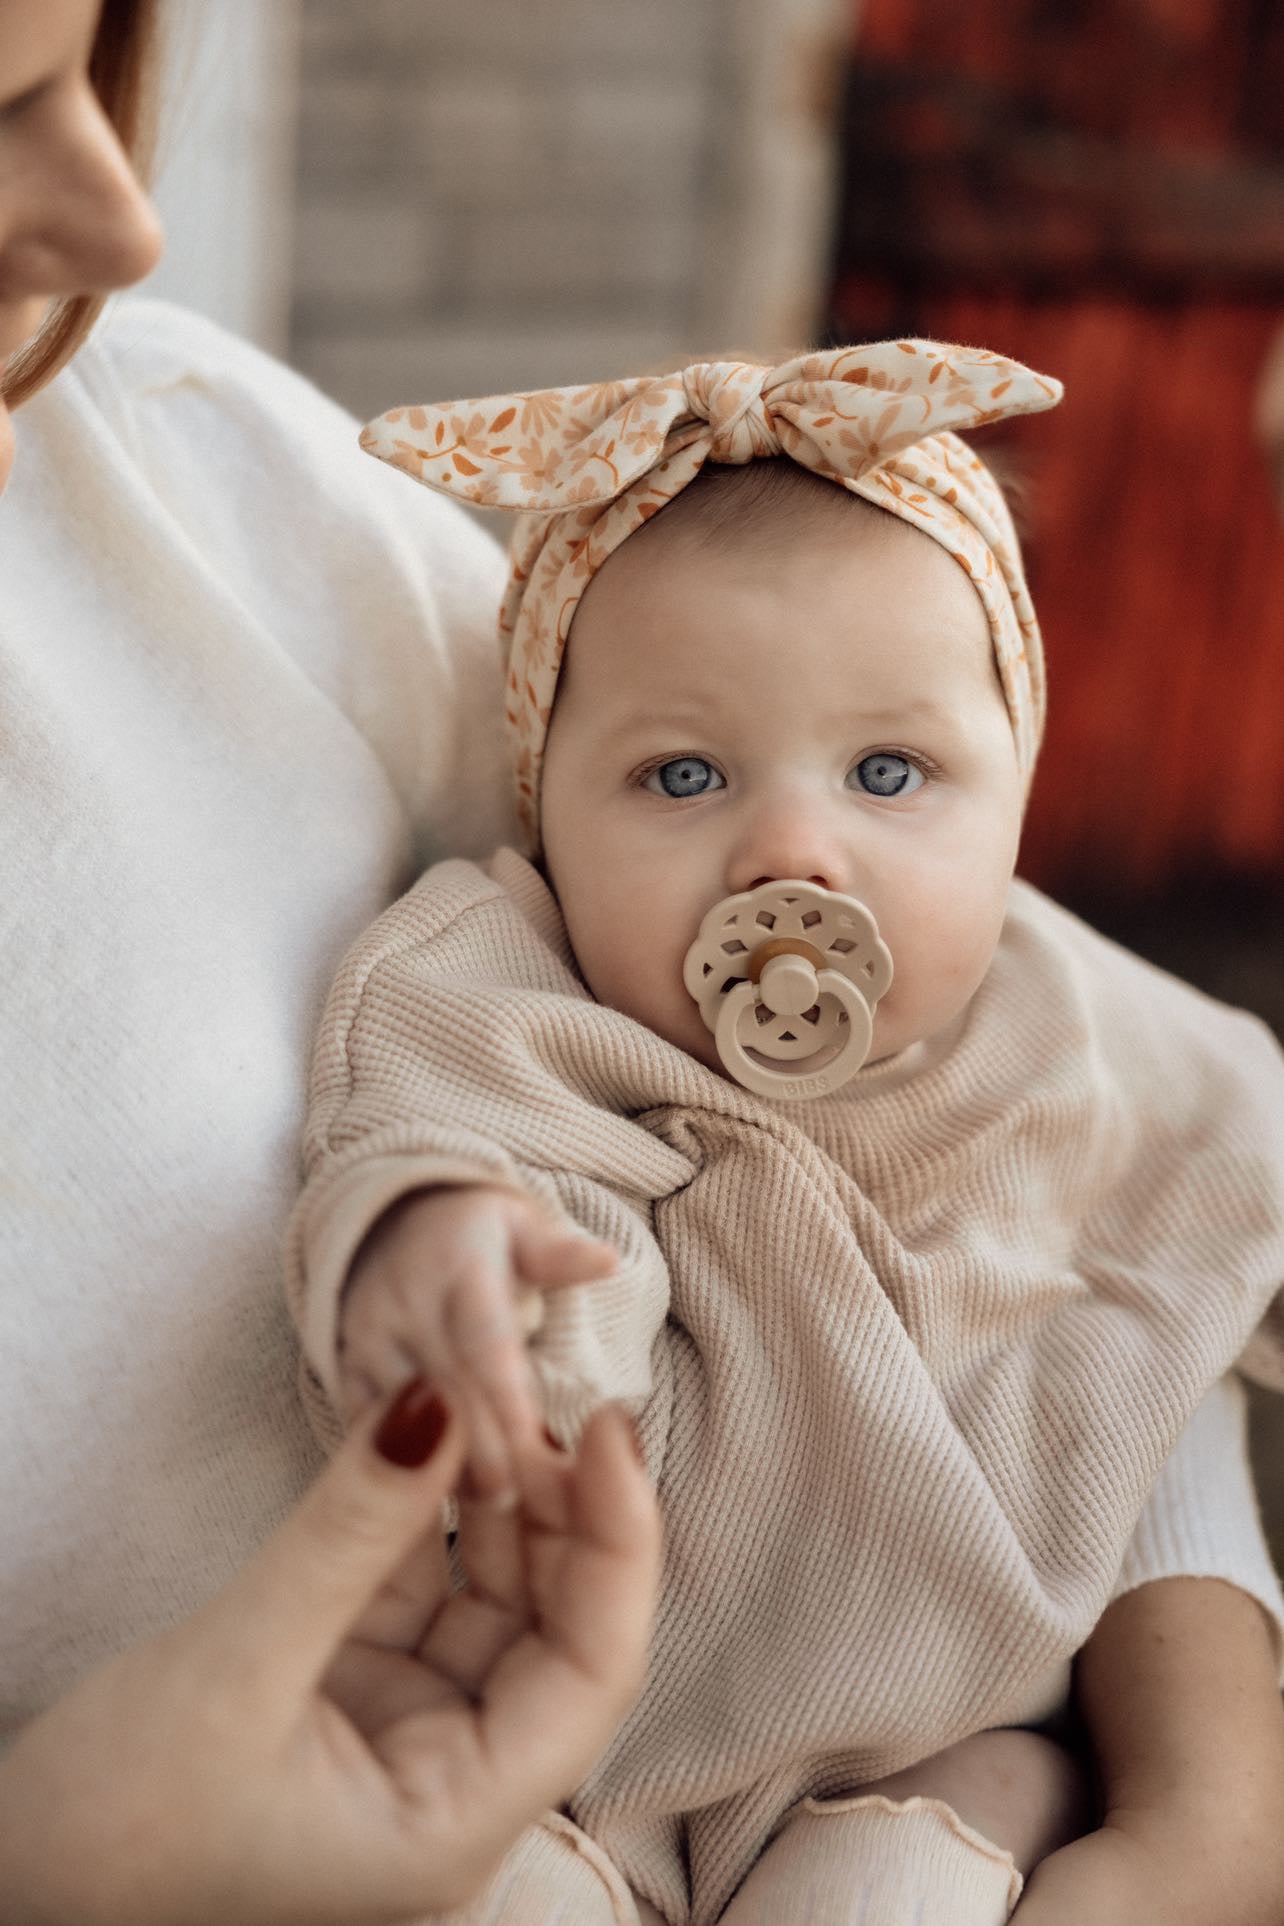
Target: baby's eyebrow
{"x": 689, "y": 716}
{"x": 694, "y": 716}
{"x": 917, "y": 709}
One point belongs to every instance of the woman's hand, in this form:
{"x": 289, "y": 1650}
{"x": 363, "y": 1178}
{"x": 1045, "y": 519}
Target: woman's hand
{"x": 442, "y": 1285}
{"x": 333, "y": 1741}
{"x": 1148, "y": 1869}
{"x": 1105, "y": 1877}
{"x": 1179, "y": 1688}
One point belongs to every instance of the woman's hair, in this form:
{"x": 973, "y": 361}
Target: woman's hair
{"x": 121, "y": 69}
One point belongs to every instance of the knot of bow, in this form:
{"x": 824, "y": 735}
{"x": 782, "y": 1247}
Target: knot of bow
{"x": 734, "y": 399}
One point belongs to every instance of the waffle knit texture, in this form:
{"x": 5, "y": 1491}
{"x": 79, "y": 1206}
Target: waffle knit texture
{"x": 909, "y": 1359}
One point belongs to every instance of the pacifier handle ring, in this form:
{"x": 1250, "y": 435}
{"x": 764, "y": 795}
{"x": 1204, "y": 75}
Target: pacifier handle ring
{"x": 765, "y": 1082}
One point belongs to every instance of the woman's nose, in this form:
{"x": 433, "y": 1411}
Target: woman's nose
{"x": 89, "y": 226}
{"x": 788, "y": 843}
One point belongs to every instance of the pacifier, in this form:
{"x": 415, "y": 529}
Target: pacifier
{"x": 787, "y": 977}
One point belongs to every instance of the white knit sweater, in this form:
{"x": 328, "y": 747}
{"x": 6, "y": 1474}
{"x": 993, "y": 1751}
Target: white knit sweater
{"x": 247, "y": 683}
{"x": 910, "y": 1359}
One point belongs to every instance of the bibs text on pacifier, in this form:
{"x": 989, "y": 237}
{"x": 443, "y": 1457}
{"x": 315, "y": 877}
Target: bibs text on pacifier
{"x": 787, "y": 977}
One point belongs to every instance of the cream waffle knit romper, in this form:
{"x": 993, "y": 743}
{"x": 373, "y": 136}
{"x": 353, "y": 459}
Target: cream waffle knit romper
{"x": 909, "y": 1359}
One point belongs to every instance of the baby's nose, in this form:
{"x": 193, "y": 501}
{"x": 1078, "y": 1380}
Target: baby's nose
{"x": 787, "y": 846}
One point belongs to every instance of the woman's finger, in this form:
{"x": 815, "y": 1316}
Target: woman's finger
{"x": 401, "y": 1610}
{"x": 554, "y": 1694}
{"x": 479, "y": 1623}
{"x": 613, "y": 1548}
{"x": 287, "y": 1612}
{"x": 578, "y": 1671}
{"x": 491, "y": 1552}
{"x": 376, "y": 1689}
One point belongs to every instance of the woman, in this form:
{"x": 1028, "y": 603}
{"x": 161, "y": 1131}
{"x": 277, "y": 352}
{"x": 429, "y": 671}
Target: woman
{"x": 204, "y": 789}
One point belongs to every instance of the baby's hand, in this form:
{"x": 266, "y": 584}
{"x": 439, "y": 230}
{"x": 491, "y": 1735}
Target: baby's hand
{"x": 444, "y": 1286}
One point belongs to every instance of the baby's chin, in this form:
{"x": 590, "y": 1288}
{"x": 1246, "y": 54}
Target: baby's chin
{"x": 686, "y": 1030}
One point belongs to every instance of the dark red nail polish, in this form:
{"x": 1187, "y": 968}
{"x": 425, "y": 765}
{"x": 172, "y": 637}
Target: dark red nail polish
{"x": 549, "y": 1439}
{"x": 412, "y": 1427}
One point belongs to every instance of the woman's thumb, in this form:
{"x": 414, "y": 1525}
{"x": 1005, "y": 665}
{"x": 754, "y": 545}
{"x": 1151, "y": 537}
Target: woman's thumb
{"x": 384, "y": 1488}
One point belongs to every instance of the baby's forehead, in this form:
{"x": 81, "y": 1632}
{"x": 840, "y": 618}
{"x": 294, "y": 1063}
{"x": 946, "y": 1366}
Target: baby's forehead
{"x": 741, "y": 525}
{"x": 775, "y": 530}
{"x": 694, "y": 643}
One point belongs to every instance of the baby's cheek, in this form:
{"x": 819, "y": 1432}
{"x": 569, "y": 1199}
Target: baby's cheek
{"x": 938, "y": 958}
{"x": 644, "y": 981}
{"x": 960, "y": 962}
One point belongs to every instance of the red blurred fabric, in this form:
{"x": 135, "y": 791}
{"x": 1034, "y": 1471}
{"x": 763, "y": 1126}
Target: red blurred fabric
{"x": 1156, "y": 545}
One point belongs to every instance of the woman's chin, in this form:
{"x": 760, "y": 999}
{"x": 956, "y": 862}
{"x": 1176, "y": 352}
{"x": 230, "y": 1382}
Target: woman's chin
{"x": 6, "y": 446}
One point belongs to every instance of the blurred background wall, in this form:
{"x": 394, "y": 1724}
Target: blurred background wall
{"x": 514, "y": 193}
{"x": 425, "y": 198}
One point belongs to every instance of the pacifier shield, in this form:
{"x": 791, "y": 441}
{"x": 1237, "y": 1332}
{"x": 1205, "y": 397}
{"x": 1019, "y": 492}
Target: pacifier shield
{"x": 787, "y": 977}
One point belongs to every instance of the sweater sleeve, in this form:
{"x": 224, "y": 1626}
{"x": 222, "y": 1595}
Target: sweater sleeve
{"x": 1201, "y": 1519}
{"x": 457, "y": 1048}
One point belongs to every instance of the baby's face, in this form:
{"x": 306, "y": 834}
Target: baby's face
{"x": 822, "y": 705}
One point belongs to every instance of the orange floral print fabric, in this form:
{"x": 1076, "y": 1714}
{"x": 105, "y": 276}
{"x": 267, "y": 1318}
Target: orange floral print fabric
{"x": 587, "y": 466}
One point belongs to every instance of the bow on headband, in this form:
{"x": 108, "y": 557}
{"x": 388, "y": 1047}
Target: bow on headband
{"x": 587, "y": 466}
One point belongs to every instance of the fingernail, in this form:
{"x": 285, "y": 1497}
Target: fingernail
{"x": 412, "y": 1427}
{"x": 636, "y": 1442}
{"x": 555, "y": 1442}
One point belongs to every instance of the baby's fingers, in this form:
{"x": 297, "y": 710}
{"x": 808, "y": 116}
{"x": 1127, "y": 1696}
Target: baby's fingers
{"x": 379, "y": 1353}
{"x": 549, "y": 1255}
{"x": 491, "y": 1476}
{"x": 483, "y": 1325}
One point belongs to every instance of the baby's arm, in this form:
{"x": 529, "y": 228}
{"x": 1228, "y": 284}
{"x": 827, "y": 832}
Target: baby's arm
{"x": 1179, "y": 1686}
{"x": 454, "y": 1147}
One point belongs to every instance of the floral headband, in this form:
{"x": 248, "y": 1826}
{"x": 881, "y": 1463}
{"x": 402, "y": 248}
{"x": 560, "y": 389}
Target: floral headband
{"x": 588, "y": 466}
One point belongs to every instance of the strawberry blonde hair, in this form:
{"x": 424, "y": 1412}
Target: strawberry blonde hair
{"x": 122, "y": 66}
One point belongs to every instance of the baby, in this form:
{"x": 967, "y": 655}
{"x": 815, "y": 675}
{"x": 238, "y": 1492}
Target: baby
{"x": 913, "y": 1357}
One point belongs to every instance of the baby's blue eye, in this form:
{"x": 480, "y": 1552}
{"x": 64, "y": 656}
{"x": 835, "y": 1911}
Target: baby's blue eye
{"x": 684, "y": 776}
{"x": 884, "y": 774}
